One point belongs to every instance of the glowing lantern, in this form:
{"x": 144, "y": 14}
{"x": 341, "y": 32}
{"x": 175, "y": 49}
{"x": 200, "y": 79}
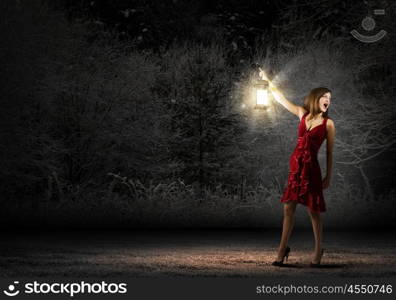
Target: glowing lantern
{"x": 262, "y": 100}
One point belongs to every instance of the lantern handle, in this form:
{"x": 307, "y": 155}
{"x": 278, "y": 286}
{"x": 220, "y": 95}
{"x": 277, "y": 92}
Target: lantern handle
{"x": 263, "y": 75}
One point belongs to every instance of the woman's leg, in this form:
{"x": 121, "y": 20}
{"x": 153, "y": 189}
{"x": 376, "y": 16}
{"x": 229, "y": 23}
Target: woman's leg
{"x": 288, "y": 221}
{"x": 317, "y": 226}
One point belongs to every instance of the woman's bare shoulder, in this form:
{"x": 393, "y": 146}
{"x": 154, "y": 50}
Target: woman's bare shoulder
{"x": 301, "y": 112}
{"x": 330, "y": 123}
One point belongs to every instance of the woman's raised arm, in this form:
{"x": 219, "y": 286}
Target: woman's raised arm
{"x": 297, "y": 110}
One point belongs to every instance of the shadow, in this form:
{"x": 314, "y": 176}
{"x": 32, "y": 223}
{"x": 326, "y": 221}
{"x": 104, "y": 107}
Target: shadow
{"x": 328, "y": 266}
{"x": 288, "y": 266}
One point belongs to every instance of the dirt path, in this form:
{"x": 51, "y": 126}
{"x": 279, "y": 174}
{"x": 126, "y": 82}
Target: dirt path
{"x": 190, "y": 253}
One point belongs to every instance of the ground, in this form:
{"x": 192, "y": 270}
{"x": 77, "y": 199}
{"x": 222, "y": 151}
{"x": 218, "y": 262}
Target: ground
{"x": 191, "y": 253}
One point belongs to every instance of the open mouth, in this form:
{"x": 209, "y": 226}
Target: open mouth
{"x": 325, "y": 105}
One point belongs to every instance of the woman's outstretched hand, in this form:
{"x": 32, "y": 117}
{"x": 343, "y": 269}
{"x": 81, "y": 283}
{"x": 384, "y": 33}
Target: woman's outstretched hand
{"x": 280, "y": 98}
{"x": 263, "y": 75}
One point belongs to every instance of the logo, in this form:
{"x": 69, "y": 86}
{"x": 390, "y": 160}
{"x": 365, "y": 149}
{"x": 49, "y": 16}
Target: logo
{"x": 12, "y": 290}
{"x": 68, "y": 288}
{"x": 368, "y": 24}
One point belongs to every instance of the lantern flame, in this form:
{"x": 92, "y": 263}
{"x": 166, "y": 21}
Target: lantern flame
{"x": 262, "y": 97}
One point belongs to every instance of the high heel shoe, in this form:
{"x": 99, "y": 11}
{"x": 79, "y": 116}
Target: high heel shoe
{"x": 317, "y": 265}
{"x": 286, "y": 255}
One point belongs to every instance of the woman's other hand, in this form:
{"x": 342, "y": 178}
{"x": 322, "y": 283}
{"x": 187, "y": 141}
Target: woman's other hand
{"x": 326, "y": 182}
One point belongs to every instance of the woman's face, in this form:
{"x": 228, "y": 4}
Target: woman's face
{"x": 324, "y": 102}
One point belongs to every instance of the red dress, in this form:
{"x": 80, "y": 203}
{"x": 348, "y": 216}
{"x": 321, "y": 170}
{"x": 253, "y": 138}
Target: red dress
{"x": 304, "y": 184}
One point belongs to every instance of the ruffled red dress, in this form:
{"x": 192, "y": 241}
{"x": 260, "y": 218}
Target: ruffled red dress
{"x": 304, "y": 183}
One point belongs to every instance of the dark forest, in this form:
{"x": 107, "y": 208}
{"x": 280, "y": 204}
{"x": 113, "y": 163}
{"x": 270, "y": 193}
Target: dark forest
{"x": 139, "y": 113}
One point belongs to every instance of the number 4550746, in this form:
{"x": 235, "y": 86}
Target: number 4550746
{"x": 370, "y": 289}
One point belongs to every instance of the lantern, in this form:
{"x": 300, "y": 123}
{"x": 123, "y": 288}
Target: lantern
{"x": 262, "y": 100}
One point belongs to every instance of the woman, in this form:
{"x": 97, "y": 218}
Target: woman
{"x": 305, "y": 184}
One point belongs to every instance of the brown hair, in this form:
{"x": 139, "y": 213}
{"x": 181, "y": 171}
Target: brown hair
{"x": 311, "y": 101}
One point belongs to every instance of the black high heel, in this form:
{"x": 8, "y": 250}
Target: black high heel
{"x": 317, "y": 265}
{"x": 286, "y": 255}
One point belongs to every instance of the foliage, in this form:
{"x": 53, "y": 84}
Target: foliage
{"x": 99, "y": 126}
{"x": 204, "y": 130}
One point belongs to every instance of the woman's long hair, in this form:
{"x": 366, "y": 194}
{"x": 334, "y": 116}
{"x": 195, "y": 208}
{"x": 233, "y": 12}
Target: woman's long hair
{"x": 311, "y": 102}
